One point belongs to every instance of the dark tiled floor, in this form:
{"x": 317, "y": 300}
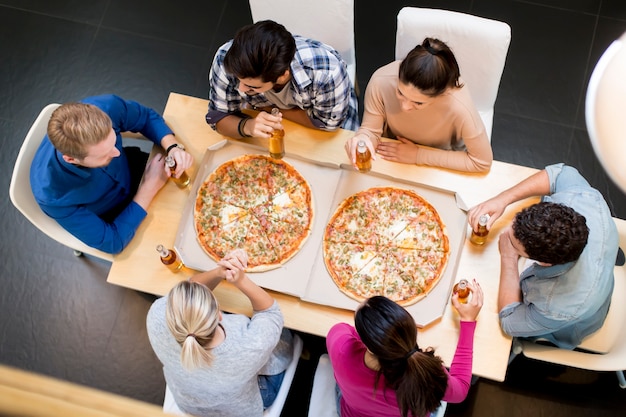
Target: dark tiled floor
{"x": 59, "y": 316}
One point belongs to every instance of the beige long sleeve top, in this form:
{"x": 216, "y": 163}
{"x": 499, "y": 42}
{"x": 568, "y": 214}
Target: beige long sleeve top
{"x": 449, "y": 129}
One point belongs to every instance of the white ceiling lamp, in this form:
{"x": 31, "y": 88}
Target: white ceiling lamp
{"x": 605, "y": 111}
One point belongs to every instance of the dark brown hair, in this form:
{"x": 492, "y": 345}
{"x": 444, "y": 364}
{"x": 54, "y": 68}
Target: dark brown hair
{"x": 551, "y": 233}
{"x": 430, "y": 67}
{"x": 262, "y": 50}
{"x": 416, "y": 375}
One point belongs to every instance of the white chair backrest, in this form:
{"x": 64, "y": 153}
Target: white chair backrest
{"x": 22, "y": 195}
{"x": 328, "y": 21}
{"x": 607, "y": 336}
{"x": 480, "y": 46}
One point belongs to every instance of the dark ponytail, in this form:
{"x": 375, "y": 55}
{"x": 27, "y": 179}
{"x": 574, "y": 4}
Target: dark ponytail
{"x": 430, "y": 67}
{"x": 417, "y": 376}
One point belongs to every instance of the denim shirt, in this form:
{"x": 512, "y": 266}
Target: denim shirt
{"x": 564, "y": 303}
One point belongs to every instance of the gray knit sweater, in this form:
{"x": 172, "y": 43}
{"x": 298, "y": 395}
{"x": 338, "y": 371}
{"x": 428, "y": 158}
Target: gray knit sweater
{"x": 228, "y": 387}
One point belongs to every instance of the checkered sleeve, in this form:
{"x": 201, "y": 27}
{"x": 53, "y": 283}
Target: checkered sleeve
{"x": 333, "y": 101}
{"x": 224, "y": 98}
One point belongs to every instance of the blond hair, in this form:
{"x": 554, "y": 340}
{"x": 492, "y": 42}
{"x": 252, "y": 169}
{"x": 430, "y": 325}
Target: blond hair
{"x": 193, "y": 316}
{"x": 75, "y": 126}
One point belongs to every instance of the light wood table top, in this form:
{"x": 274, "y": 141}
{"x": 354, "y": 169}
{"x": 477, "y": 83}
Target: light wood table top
{"x": 138, "y": 266}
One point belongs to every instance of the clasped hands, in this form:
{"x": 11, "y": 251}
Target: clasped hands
{"x": 234, "y": 264}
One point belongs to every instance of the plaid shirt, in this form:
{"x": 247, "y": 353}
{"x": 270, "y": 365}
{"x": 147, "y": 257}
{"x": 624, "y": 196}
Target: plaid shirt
{"x": 319, "y": 79}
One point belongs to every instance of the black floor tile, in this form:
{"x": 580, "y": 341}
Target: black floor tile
{"x": 76, "y": 10}
{"x": 141, "y": 68}
{"x": 61, "y": 318}
{"x": 187, "y": 21}
{"x": 529, "y": 142}
{"x": 41, "y": 56}
{"x": 544, "y": 75}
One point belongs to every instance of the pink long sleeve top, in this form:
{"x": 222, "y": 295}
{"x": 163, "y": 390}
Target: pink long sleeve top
{"x": 356, "y": 381}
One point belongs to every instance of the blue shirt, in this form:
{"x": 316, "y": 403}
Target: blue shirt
{"x": 94, "y": 204}
{"x": 564, "y": 303}
{"x": 319, "y": 80}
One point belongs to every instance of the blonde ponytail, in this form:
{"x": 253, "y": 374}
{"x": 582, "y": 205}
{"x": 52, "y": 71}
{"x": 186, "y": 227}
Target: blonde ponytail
{"x": 192, "y": 316}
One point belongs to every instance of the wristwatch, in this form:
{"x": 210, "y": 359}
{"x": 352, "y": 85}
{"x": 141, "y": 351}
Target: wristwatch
{"x": 176, "y": 145}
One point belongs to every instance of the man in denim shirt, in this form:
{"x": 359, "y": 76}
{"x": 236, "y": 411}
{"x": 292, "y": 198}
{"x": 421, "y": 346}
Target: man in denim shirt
{"x": 564, "y": 292}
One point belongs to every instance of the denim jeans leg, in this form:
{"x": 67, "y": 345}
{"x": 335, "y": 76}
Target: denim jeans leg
{"x": 269, "y": 386}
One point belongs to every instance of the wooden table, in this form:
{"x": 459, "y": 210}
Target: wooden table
{"x": 138, "y": 266}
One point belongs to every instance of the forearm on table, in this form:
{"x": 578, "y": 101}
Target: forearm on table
{"x": 168, "y": 140}
{"x": 457, "y": 160}
{"x": 210, "y": 278}
{"x": 229, "y": 126}
{"x": 258, "y": 297}
{"x": 299, "y": 116}
{"x": 536, "y": 185}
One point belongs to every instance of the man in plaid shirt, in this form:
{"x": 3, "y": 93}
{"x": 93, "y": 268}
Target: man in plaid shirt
{"x": 265, "y": 66}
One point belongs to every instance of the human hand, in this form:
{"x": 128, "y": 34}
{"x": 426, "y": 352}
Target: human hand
{"x": 494, "y": 207}
{"x": 401, "y": 150}
{"x": 183, "y": 161}
{"x": 235, "y": 263}
{"x": 505, "y": 244}
{"x": 264, "y": 124}
{"x": 352, "y": 143}
{"x": 470, "y": 310}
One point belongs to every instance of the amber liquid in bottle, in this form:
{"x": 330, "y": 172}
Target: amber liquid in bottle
{"x": 479, "y": 237}
{"x": 277, "y": 140}
{"x": 462, "y": 290}
{"x": 169, "y": 258}
{"x": 182, "y": 181}
{"x": 363, "y": 157}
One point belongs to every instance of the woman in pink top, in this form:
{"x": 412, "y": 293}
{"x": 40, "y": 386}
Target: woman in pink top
{"x": 381, "y": 371}
{"x": 421, "y": 102}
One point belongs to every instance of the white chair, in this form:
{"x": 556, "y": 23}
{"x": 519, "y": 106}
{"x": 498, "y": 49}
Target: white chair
{"x": 22, "y": 195}
{"x": 170, "y": 406}
{"x": 480, "y": 46}
{"x": 327, "y": 21}
{"x": 323, "y": 403}
{"x": 607, "y": 346}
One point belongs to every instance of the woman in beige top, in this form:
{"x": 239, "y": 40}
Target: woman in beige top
{"x": 421, "y": 102}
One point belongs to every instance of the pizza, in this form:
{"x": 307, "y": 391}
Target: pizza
{"x": 386, "y": 241}
{"x": 255, "y": 203}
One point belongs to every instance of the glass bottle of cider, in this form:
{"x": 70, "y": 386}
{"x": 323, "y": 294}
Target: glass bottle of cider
{"x": 277, "y": 140}
{"x": 363, "y": 157}
{"x": 169, "y": 258}
{"x": 181, "y": 181}
{"x": 462, "y": 290}
{"x": 479, "y": 237}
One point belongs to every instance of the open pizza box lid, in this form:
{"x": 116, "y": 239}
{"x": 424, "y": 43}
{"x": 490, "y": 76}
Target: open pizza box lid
{"x": 305, "y": 274}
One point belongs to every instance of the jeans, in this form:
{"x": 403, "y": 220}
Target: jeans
{"x": 269, "y": 386}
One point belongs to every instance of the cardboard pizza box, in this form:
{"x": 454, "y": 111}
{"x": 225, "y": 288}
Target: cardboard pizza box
{"x": 305, "y": 275}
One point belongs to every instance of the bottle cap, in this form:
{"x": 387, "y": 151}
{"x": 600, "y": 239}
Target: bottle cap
{"x": 169, "y": 161}
{"x": 361, "y": 144}
{"x": 161, "y": 249}
{"x": 483, "y": 219}
{"x": 462, "y": 283}
{"x": 275, "y": 111}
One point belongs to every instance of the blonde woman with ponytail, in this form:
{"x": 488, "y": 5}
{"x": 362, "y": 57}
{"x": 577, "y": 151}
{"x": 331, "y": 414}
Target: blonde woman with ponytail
{"x": 220, "y": 364}
{"x": 380, "y": 369}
